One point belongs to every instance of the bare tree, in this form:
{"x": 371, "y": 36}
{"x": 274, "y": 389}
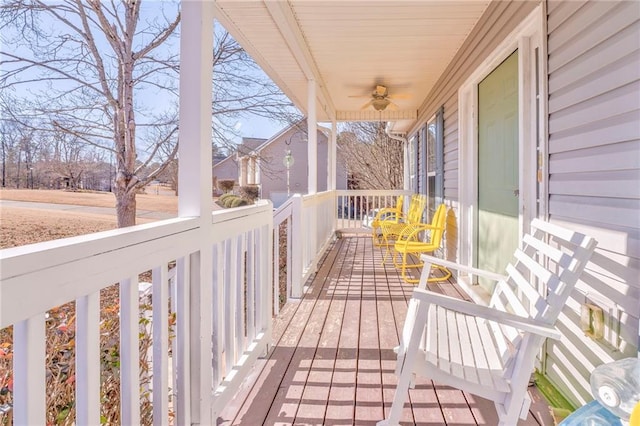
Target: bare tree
{"x": 100, "y": 70}
{"x": 70, "y": 160}
{"x": 19, "y": 148}
{"x": 373, "y": 160}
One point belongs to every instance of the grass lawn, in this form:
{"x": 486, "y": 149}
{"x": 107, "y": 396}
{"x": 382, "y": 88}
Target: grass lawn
{"x": 20, "y": 226}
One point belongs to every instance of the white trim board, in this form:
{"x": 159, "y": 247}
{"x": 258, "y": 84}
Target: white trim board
{"x": 529, "y": 39}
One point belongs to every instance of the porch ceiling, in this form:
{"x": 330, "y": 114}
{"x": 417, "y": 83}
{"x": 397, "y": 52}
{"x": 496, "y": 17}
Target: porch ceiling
{"x": 349, "y": 47}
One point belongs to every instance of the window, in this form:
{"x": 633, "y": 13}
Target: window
{"x": 413, "y": 147}
{"x": 434, "y": 162}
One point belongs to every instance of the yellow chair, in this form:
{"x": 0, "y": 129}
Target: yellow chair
{"x": 409, "y": 243}
{"x": 391, "y": 230}
{"x": 387, "y": 215}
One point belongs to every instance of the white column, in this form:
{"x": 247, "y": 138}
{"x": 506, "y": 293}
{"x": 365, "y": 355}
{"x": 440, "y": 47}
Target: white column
{"x": 312, "y": 135}
{"x": 195, "y": 173}
{"x": 332, "y": 157}
{"x": 252, "y": 171}
{"x": 196, "y": 73}
{"x": 258, "y": 171}
{"x": 242, "y": 179}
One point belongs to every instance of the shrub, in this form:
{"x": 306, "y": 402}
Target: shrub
{"x": 226, "y": 185}
{"x": 237, "y": 202}
{"x": 225, "y": 197}
{"x": 250, "y": 192}
{"x": 227, "y": 201}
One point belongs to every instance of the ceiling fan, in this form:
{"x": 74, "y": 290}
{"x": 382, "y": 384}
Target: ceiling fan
{"x": 380, "y": 99}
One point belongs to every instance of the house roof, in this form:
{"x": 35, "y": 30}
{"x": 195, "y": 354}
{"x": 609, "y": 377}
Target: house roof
{"x": 301, "y": 124}
{"x": 249, "y": 145}
{"x": 349, "y": 46}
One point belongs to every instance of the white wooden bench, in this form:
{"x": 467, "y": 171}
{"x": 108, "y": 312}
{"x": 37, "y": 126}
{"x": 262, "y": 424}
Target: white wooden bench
{"x": 490, "y": 351}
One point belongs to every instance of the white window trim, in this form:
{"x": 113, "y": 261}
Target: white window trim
{"x": 528, "y": 36}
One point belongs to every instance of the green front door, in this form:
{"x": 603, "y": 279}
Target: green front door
{"x": 498, "y": 181}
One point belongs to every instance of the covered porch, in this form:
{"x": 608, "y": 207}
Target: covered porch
{"x": 224, "y": 350}
{"x": 227, "y": 350}
{"x": 332, "y": 360}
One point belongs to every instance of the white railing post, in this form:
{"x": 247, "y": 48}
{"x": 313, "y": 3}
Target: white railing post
{"x": 275, "y": 276}
{"x": 289, "y": 255}
{"x": 88, "y": 359}
{"x": 160, "y": 327}
{"x": 250, "y": 303}
{"x": 265, "y": 270}
{"x": 296, "y": 247}
{"x": 195, "y": 181}
{"x": 218, "y": 311}
{"x": 182, "y": 374}
{"x": 129, "y": 352}
{"x": 29, "y": 372}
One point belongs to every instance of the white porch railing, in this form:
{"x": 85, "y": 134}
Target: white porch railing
{"x": 222, "y": 292}
{"x": 356, "y": 208}
{"x": 37, "y": 278}
{"x": 314, "y": 220}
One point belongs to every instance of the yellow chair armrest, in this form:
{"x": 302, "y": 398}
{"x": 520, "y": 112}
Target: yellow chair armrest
{"x": 391, "y": 213}
{"x": 411, "y": 231}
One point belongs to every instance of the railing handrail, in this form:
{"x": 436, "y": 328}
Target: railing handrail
{"x": 22, "y": 259}
{"x": 284, "y": 211}
{"x": 83, "y": 266}
{"x": 317, "y": 197}
{"x": 373, "y": 192}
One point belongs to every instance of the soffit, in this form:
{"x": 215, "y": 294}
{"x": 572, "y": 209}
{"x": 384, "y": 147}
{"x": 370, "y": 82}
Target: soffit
{"x": 349, "y": 47}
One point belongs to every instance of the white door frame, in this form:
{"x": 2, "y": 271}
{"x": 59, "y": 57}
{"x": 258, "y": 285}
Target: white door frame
{"x": 532, "y": 105}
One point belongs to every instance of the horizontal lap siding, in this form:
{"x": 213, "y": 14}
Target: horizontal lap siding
{"x": 594, "y": 174}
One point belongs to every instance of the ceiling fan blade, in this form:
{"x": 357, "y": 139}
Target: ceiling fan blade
{"x": 400, "y": 96}
{"x": 392, "y": 106}
{"x": 367, "y": 105}
{"x": 359, "y": 96}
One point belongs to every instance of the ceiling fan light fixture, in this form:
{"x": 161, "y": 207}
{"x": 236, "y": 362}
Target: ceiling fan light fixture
{"x": 379, "y": 104}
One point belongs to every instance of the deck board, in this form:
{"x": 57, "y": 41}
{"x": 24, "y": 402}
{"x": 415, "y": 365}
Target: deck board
{"x": 333, "y": 363}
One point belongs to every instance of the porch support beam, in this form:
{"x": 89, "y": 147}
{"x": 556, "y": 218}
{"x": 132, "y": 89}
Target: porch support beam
{"x": 195, "y": 189}
{"x": 332, "y": 160}
{"x": 312, "y": 137}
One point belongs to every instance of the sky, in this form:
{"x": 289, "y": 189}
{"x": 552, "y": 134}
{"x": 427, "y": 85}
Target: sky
{"x": 258, "y": 127}
{"x": 248, "y": 126}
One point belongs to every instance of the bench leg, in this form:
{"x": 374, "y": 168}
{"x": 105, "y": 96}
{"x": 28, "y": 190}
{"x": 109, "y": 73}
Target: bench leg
{"x": 408, "y": 360}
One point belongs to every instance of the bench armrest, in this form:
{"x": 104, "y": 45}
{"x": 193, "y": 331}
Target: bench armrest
{"x": 463, "y": 268}
{"x": 491, "y": 314}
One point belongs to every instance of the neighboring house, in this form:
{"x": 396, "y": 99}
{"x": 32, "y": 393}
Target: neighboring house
{"x": 262, "y": 162}
{"x": 228, "y": 167}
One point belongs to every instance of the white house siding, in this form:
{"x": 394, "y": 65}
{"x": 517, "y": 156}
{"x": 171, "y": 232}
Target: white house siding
{"x": 594, "y": 174}
{"x": 273, "y": 177}
{"x": 226, "y": 169}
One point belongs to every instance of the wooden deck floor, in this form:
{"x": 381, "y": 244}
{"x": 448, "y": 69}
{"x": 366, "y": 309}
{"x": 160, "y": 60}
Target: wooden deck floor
{"x": 333, "y": 361}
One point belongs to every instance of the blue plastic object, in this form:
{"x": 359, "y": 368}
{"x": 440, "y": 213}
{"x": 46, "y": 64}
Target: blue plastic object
{"x": 592, "y": 414}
